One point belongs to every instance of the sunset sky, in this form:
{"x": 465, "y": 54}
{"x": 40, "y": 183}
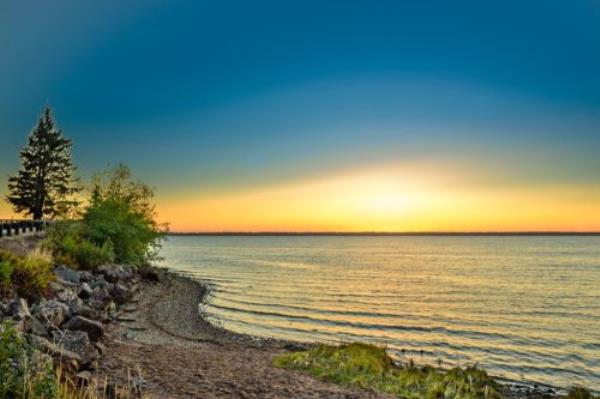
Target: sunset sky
{"x": 320, "y": 115}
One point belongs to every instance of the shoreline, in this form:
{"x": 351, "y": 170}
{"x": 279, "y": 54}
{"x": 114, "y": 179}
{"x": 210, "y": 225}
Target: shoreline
{"x": 170, "y": 316}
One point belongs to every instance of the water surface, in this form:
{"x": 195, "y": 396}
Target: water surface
{"x": 525, "y": 308}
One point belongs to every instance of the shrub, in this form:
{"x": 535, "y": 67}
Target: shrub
{"x": 28, "y": 276}
{"x": 369, "y": 366}
{"x": 119, "y": 224}
{"x": 31, "y": 276}
{"x": 121, "y": 212}
{"x": 25, "y": 373}
{"x": 67, "y": 242}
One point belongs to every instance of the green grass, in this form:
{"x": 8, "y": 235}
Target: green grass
{"x": 370, "y": 367}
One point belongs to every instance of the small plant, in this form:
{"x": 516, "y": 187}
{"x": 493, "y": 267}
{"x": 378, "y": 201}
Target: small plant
{"x": 31, "y": 276}
{"x": 369, "y": 366}
{"x": 28, "y": 276}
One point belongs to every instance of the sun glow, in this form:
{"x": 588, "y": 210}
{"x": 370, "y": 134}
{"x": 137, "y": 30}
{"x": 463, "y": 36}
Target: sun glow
{"x": 389, "y": 198}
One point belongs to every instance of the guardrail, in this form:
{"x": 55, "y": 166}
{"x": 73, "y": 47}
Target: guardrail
{"x": 9, "y": 227}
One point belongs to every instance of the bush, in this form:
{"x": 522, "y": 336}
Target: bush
{"x": 27, "y": 276}
{"x": 121, "y": 212}
{"x": 67, "y": 242}
{"x": 119, "y": 224}
{"x": 31, "y": 276}
{"x": 25, "y": 373}
{"x": 368, "y": 366}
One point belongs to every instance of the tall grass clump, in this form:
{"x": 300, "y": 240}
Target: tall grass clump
{"x": 370, "y": 367}
{"x": 27, "y": 276}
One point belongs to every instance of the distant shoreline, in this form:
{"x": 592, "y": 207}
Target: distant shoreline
{"x": 385, "y": 234}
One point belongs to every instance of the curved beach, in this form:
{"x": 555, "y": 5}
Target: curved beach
{"x": 162, "y": 337}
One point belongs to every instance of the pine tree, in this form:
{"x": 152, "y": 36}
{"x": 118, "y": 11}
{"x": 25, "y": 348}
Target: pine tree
{"x": 45, "y": 186}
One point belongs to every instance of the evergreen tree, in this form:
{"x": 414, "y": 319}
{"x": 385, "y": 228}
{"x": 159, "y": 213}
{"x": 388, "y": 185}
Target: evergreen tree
{"x": 45, "y": 185}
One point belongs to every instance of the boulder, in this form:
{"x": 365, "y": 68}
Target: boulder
{"x": 18, "y": 309}
{"x": 115, "y": 273}
{"x": 119, "y": 293}
{"x": 56, "y": 351}
{"x": 36, "y": 327}
{"x": 52, "y": 312}
{"x": 85, "y": 291}
{"x": 93, "y": 329}
{"x": 68, "y": 275}
{"x": 111, "y": 310}
{"x": 86, "y": 312}
{"x": 78, "y": 342}
{"x": 149, "y": 274}
{"x": 67, "y": 295}
{"x": 86, "y": 276}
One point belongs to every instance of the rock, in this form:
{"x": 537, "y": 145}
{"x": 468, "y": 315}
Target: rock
{"x": 149, "y": 274}
{"x": 115, "y": 273}
{"x": 86, "y": 312}
{"x": 52, "y": 312}
{"x": 86, "y": 276}
{"x": 78, "y": 342}
{"x": 100, "y": 297}
{"x": 93, "y": 329}
{"x": 36, "y": 327}
{"x": 3, "y": 309}
{"x": 111, "y": 311}
{"x": 85, "y": 291}
{"x": 99, "y": 283}
{"x": 67, "y": 295}
{"x": 18, "y": 309}
{"x": 56, "y": 351}
{"x": 100, "y": 347}
{"x": 68, "y": 275}
{"x": 119, "y": 293}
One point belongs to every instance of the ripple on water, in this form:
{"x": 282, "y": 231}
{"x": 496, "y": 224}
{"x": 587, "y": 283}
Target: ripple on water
{"x": 523, "y": 307}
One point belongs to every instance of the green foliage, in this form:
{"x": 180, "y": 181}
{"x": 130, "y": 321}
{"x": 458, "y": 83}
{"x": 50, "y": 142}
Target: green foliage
{"x": 579, "y": 393}
{"x": 27, "y": 276}
{"x": 67, "y": 242}
{"x": 121, "y": 212}
{"x": 119, "y": 224}
{"x": 7, "y": 267}
{"x": 24, "y": 372}
{"x": 368, "y": 366}
{"x": 45, "y": 185}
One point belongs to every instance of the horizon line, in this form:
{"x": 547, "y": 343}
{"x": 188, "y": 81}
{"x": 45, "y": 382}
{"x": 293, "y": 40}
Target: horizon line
{"x": 386, "y": 233}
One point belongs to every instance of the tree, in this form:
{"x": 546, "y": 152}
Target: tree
{"x": 121, "y": 213}
{"x": 45, "y": 185}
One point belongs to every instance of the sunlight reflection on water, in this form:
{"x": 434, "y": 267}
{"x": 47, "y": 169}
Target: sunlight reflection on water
{"x": 523, "y": 307}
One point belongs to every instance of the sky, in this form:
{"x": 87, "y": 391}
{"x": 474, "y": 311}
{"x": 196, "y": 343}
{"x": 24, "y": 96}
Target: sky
{"x": 320, "y": 115}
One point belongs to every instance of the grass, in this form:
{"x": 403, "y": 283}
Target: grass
{"x": 27, "y": 276}
{"x": 28, "y": 374}
{"x": 369, "y": 367}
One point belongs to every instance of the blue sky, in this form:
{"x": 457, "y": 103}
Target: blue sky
{"x": 215, "y": 96}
